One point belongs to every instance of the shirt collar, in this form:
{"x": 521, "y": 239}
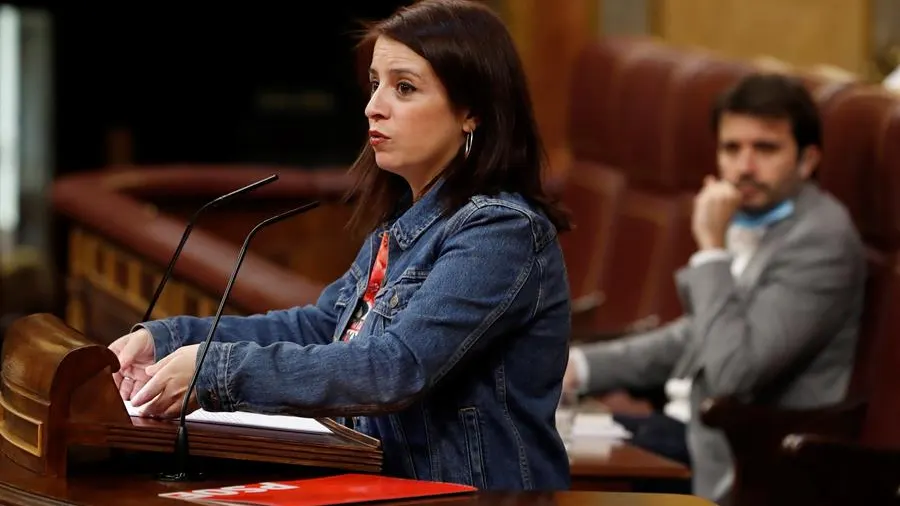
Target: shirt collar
{"x": 774, "y": 215}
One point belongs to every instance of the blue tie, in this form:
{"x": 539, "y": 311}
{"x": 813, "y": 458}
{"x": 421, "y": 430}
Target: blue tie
{"x": 777, "y": 213}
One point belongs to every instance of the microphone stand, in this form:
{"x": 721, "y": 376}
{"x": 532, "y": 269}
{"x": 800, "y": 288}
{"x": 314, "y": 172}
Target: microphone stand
{"x": 187, "y": 232}
{"x": 182, "y": 454}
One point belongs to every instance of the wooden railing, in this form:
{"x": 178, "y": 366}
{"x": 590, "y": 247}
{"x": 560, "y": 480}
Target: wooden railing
{"x": 98, "y": 269}
{"x": 123, "y": 226}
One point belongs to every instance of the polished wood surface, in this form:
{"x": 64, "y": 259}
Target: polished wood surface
{"x": 606, "y": 458}
{"x": 130, "y": 479}
{"x": 605, "y": 463}
{"x": 57, "y": 392}
{"x": 51, "y": 377}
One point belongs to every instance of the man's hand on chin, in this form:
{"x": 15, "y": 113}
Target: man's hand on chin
{"x": 714, "y": 207}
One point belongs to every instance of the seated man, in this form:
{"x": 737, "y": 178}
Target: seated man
{"x": 772, "y": 298}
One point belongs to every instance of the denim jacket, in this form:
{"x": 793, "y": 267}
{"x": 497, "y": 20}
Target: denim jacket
{"x": 457, "y": 368}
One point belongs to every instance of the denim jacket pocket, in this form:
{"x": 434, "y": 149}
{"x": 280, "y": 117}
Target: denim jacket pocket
{"x": 395, "y": 296}
{"x": 346, "y": 299}
{"x": 474, "y": 447}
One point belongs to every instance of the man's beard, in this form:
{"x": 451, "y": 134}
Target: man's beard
{"x": 756, "y": 210}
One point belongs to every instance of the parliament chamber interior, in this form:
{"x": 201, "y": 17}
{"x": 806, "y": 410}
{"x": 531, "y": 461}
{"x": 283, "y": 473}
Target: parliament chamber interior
{"x": 125, "y": 125}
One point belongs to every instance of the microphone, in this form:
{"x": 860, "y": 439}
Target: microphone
{"x": 182, "y": 454}
{"x": 187, "y": 232}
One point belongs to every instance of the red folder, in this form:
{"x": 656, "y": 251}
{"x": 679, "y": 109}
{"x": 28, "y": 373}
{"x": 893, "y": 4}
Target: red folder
{"x": 341, "y": 489}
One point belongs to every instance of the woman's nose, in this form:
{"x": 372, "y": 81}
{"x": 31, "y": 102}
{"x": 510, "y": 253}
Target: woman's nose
{"x": 376, "y": 108}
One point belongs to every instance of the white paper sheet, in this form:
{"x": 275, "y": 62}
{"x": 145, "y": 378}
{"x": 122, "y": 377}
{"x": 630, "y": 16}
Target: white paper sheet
{"x": 591, "y": 425}
{"x": 245, "y": 419}
{"x": 598, "y": 425}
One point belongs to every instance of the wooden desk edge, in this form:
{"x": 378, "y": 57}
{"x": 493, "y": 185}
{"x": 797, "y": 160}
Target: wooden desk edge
{"x": 652, "y": 466}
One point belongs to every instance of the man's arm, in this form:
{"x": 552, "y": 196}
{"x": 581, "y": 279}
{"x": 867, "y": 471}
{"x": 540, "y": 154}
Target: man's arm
{"x": 666, "y": 346}
{"x": 635, "y": 362}
{"x": 806, "y": 294}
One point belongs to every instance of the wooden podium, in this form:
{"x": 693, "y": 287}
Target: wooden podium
{"x": 57, "y": 392}
{"x": 58, "y": 398}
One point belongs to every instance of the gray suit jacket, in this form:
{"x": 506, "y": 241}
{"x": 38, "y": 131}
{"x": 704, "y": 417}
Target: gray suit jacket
{"x": 783, "y": 333}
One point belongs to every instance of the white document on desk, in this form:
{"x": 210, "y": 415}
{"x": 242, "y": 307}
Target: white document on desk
{"x": 595, "y": 425}
{"x": 246, "y": 419}
{"x": 599, "y": 425}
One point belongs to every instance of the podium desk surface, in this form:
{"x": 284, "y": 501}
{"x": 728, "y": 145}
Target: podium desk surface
{"x": 606, "y": 458}
{"x": 131, "y": 481}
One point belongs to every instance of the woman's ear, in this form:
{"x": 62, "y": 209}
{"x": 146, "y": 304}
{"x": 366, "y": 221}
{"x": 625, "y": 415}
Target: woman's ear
{"x": 470, "y": 122}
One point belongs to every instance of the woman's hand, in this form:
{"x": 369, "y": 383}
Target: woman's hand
{"x": 135, "y": 352}
{"x": 163, "y": 394}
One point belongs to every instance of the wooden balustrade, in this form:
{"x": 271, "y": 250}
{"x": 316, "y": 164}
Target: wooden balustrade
{"x": 124, "y": 225}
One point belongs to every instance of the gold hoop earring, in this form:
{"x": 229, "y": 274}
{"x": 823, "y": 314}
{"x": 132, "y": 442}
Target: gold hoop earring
{"x": 468, "y": 148}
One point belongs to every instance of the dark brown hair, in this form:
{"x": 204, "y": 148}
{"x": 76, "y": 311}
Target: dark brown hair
{"x": 775, "y": 96}
{"x": 475, "y": 58}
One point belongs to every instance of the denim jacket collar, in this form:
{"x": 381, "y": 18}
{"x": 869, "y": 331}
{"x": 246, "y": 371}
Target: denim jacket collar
{"x": 421, "y": 215}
